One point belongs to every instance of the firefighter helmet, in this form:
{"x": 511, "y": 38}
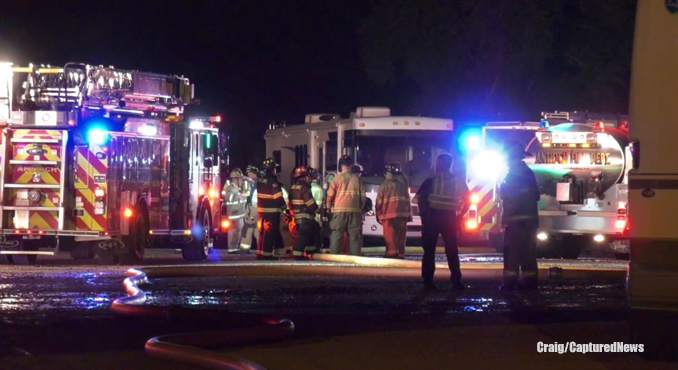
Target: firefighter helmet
{"x": 269, "y": 164}
{"x": 356, "y": 168}
{"x": 236, "y": 173}
{"x": 251, "y": 169}
{"x": 301, "y": 171}
{"x": 345, "y": 160}
{"x": 398, "y": 166}
{"x": 392, "y": 168}
{"x": 314, "y": 173}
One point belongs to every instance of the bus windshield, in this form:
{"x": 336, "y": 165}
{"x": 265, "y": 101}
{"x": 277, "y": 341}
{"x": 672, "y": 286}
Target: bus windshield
{"x": 416, "y": 154}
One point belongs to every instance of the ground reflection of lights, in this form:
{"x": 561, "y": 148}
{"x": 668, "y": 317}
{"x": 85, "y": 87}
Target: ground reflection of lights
{"x": 9, "y": 303}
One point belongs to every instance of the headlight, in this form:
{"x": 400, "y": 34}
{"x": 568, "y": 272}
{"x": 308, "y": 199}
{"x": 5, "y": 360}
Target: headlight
{"x": 489, "y": 166}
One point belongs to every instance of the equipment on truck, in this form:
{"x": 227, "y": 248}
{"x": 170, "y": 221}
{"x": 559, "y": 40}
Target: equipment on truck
{"x": 373, "y": 138}
{"x": 102, "y": 161}
{"x": 581, "y": 164}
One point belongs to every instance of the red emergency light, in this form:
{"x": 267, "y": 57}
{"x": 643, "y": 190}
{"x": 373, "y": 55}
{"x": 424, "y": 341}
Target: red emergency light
{"x": 599, "y": 126}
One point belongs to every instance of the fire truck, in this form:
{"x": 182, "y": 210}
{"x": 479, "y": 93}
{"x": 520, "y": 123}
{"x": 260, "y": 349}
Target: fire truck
{"x": 581, "y": 163}
{"x": 102, "y": 162}
{"x": 372, "y": 137}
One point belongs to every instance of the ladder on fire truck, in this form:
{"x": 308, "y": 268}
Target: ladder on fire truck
{"x": 45, "y": 103}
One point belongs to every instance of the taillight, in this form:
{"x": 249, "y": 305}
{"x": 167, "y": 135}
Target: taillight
{"x": 622, "y": 211}
{"x": 213, "y": 194}
{"x": 225, "y": 224}
{"x": 128, "y": 212}
{"x": 99, "y": 193}
{"x": 472, "y": 215}
{"x": 99, "y": 207}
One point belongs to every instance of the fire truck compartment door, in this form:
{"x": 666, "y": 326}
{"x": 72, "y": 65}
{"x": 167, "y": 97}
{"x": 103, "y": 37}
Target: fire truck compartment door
{"x": 81, "y": 180}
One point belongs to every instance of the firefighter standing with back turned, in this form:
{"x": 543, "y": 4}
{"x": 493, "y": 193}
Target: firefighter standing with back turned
{"x": 393, "y": 212}
{"x": 443, "y": 200}
{"x": 519, "y": 194}
{"x": 345, "y": 200}
{"x": 270, "y": 205}
{"x": 304, "y": 209}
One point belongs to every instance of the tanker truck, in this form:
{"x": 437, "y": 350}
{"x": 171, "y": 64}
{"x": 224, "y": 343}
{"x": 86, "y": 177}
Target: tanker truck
{"x": 580, "y": 163}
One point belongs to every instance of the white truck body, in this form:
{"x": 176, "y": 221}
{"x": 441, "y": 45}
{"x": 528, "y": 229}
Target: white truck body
{"x": 372, "y": 137}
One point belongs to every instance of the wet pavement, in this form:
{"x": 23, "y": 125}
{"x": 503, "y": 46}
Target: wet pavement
{"x": 63, "y": 306}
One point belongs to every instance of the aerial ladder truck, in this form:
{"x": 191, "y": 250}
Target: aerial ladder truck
{"x": 103, "y": 162}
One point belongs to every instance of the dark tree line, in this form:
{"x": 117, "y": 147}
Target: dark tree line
{"x": 501, "y": 59}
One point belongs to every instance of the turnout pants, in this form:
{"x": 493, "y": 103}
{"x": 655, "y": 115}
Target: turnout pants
{"x": 442, "y": 223}
{"x": 520, "y": 252}
{"x": 249, "y": 232}
{"x": 234, "y": 234}
{"x": 308, "y": 232}
{"x": 350, "y": 223}
{"x": 270, "y": 235}
{"x": 395, "y": 231}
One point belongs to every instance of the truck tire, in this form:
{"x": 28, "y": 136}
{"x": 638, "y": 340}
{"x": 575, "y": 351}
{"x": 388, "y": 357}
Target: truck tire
{"x": 137, "y": 242}
{"x": 83, "y": 252}
{"x": 25, "y": 259}
{"x": 199, "y": 248}
{"x": 106, "y": 257}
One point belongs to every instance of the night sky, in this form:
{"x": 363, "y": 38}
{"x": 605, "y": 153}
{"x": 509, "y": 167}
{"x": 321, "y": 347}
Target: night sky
{"x": 257, "y": 61}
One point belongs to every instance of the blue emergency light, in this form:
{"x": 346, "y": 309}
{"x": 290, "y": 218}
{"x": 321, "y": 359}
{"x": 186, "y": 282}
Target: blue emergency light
{"x": 473, "y": 143}
{"x": 544, "y": 124}
{"x": 97, "y": 136}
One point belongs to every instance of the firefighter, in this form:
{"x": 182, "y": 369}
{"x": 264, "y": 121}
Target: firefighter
{"x": 236, "y": 200}
{"x": 401, "y": 176}
{"x": 304, "y": 208}
{"x": 443, "y": 200}
{"x": 345, "y": 200}
{"x": 317, "y": 192}
{"x": 393, "y": 212}
{"x": 270, "y": 205}
{"x": 519, "y": 194}
{"x": 250, "y": 231}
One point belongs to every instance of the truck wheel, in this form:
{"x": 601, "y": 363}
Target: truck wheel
{"x": 137, "y": 242}
{"x": 200, "y": 247}
{"x": 25, "y": 259}
{"x": 82, "y": 252}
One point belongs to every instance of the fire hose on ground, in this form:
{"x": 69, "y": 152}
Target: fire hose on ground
{"x": 194, "y": 348}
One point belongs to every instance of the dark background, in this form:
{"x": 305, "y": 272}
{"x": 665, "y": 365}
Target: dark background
{"x": 257, "y": 61}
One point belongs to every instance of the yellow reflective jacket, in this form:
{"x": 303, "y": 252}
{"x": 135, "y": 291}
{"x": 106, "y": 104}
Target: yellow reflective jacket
{"x": 346, "y": 194}
{"x": 393, "y": 201}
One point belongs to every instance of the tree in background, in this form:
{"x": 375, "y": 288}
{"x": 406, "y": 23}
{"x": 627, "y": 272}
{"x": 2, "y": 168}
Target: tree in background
{"x": 516, "y": 58}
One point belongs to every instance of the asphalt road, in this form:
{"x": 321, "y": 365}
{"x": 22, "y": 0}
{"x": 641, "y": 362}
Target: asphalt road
{"x": 56, "y": 316}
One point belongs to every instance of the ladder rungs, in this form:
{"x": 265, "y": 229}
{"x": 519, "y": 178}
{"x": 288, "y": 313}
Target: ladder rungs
{"x": 47, "y": 163}
{"x": 33, "y": 186}
{"x": 19, "y": 208}
{"x": 48, "y": 141}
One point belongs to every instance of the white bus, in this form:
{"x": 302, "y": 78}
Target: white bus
{"x": 372, "y": 137}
